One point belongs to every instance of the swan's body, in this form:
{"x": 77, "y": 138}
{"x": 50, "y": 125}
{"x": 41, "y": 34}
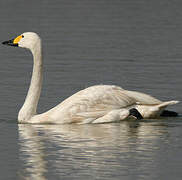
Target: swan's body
{"x": 96, "y": 104}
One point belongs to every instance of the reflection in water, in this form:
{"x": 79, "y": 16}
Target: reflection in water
{"x": 105, "y": 150}
{"x": 32, "y": 153}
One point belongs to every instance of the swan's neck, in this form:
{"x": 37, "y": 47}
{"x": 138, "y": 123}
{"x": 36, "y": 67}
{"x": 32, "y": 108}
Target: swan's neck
{"x": 29, "y": 107}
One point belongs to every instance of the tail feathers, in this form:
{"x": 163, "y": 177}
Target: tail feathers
{"x": 167, "y": 103}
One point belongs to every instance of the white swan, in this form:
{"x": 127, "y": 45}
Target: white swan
{"x": 96, "y": 104}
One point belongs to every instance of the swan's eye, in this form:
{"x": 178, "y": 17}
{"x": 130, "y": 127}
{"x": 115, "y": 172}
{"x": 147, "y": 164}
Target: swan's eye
{"x": 22, "y": 36}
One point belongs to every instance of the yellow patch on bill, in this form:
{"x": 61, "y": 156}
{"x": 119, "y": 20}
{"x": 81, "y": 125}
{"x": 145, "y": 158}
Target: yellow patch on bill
{"x": 17, "y": 39}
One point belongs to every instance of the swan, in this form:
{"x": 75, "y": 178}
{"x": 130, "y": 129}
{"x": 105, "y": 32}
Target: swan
{"x": 95, "y": 104}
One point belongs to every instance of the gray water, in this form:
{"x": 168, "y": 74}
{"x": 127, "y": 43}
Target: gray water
{"x": 136, "y": 44}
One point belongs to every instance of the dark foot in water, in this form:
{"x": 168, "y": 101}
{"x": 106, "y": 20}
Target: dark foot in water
{"x": 167, "y": 113}
{"x": 134, "y": 112}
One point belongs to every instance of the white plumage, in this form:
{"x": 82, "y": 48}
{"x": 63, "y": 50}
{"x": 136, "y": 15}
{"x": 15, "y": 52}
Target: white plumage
{"x": 96, "y": 104}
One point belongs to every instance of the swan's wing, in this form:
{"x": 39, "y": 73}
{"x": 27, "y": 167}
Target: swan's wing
{"x": 142, "y": 98}
{"x": 91, "y": 103}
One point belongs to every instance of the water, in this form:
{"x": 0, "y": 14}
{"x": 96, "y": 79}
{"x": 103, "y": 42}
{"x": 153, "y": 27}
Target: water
{"x": 133, "y": 44}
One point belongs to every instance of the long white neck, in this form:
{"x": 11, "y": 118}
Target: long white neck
{"x": 29, "y": 107}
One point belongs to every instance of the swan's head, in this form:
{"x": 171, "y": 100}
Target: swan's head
{"x": 28, "y": 40}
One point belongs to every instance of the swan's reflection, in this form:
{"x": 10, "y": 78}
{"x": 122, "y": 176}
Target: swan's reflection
{"x": 64, "y": 150}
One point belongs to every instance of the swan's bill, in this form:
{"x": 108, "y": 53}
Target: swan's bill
{"x": 13, "y": 42}
{"x": 10, "y": 43}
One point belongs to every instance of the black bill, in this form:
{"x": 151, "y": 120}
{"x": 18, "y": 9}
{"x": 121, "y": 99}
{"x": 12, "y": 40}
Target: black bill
{"x": 10, "y": 43}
